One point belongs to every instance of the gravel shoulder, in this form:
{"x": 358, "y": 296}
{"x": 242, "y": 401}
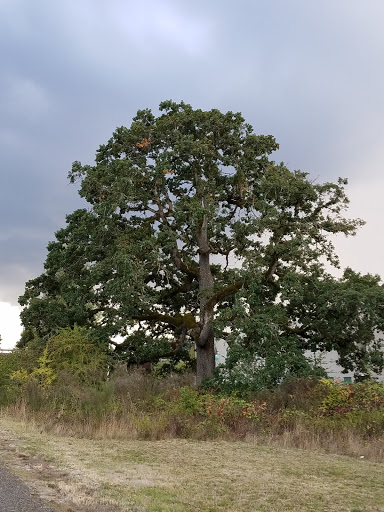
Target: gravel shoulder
{"x": 15, "y": 496}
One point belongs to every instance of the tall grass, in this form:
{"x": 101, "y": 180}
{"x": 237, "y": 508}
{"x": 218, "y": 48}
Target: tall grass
{"x": 307, "y": 413}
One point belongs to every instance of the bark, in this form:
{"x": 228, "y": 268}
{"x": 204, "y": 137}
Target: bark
{"x": 205, "y": 344}
{"x": 205, "y": 360}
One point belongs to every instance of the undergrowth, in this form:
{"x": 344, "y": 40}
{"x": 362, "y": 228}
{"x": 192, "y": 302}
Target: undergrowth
{"x": 304, "y": 413}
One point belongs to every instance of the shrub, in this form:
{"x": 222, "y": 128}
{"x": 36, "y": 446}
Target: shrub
{"x": 73, "y": 351}
{"x": 248, "y": 374}
{"x": 8, "y": 364}
{"x": 343, "y": 398}
{"x": 166, "y": 367}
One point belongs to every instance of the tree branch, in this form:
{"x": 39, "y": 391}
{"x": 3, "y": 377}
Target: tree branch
{"x": 183, "y": 266}
{"x": 181, "y": 340}
{"x": 224, "y": 293}
{"x": 187, "y": 320}
{"x": 272, "y": 268}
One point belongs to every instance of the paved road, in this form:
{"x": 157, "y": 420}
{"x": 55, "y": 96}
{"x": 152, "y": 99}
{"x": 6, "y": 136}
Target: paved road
{"x": 15, "y": 496}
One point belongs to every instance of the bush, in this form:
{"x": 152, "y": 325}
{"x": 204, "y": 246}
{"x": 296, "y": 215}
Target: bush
{"x": 343, "y": 398}
{"x": 248, "y": 374}
{"x": 166, "y": 367}
{"x": 8, "y": 365}
{"x": 72, "y": 351}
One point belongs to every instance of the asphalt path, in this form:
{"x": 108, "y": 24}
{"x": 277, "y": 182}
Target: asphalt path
{"x": 15, "y": 496}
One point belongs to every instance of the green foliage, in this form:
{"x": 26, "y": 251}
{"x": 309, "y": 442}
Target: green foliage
{"x": 8, "y": 364}
{"x": 248, "y": 370}
{"x": 337, "y": 398}
{"x": 167, "y": 366}
{"x": 75, "y": 351}
{"x": 28, "y": 356}
{"x": 72, "y": 351}
{"x": 162, "y": 368}
{"x": 192, "y": 232}
{"x": 342, "y": 398}
{"x": 138, "y": 348}
{"x": 190, "y": 400}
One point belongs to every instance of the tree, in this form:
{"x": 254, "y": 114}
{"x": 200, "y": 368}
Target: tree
{"x": 191, "y": 231}
{"x": 315, "y": 312}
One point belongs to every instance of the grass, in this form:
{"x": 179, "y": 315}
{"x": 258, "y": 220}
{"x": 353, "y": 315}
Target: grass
{"x": 305, "y": 414}
{"x": 178, "y": 475}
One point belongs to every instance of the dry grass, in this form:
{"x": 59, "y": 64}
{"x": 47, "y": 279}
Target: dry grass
{"x": 146, "y": 420}
{"x": 333, "y": 442}
{"x": 184, "y": 476}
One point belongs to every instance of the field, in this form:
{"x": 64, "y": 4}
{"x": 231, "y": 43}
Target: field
{"x": 179, "y": 475}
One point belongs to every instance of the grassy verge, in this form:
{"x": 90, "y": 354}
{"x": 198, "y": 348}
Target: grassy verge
{"x": 178, "y": 475}
{"x": 306, "y": 413}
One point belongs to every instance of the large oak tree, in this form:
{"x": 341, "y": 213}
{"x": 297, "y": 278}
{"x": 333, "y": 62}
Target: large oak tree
{"x": 191, "y": 232}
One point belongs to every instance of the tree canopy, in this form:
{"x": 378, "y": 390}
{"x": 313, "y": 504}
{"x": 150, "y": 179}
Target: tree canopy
{"x": 193, "y": 232}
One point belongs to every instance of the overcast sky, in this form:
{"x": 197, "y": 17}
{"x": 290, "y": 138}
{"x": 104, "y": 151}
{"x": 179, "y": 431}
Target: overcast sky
{"x": 309, "y": 73}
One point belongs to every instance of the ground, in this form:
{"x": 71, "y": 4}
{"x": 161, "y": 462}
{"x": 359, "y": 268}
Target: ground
{"x": 185, "y": 476}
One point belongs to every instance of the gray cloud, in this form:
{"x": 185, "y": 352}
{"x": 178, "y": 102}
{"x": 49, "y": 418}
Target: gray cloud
{"x": 307, "y": 72}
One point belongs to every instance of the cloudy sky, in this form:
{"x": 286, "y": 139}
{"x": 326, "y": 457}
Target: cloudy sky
{"x": 309, "y": 73}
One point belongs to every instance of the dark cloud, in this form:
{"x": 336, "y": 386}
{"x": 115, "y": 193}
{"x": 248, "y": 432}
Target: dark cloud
{"x": 307, "y": 72}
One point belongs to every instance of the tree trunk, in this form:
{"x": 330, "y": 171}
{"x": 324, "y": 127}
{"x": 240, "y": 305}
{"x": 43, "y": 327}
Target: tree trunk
{"x": 205, "y": 360}
{"x": 205, "y": 344}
